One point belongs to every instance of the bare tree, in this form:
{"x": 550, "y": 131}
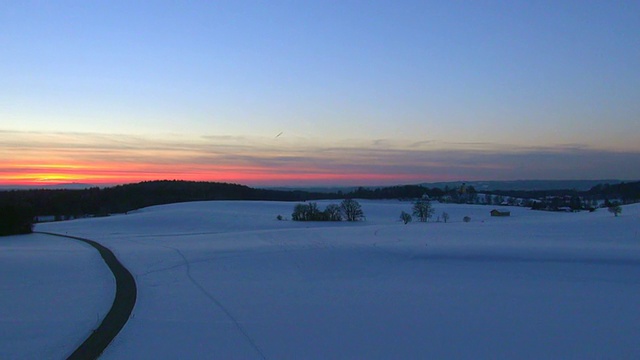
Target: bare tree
{"x": 423, "y": 210}
{"x": 299, "y": 212}
{"x": 308, "y": 212}
{"x": 351, "y": 210}
{"x": 333, "y": 213}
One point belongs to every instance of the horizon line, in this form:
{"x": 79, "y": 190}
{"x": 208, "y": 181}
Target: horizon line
{"x": 83, "y": 186}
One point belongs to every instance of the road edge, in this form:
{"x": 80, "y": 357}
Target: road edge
{"x": 121, "y": 309}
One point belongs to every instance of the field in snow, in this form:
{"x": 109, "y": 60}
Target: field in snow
{"x": 54, "y": 292}
{"x": 227, "y": 280}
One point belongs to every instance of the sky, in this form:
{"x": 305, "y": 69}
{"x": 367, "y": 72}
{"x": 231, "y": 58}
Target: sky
{"x": 298, "y": 93}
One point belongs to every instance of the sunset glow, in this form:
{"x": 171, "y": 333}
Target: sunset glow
{"x": 256, "y": 162}
{"x": 316, "y": 93}
{"x": 112, "y": 173}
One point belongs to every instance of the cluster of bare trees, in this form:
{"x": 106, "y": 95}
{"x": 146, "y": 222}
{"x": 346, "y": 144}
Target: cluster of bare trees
{"x": 423, "y": 211}
{"x": 349, "y": 210}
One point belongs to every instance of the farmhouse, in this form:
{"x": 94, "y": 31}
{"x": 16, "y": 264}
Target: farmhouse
{"x": 496, "y": 212}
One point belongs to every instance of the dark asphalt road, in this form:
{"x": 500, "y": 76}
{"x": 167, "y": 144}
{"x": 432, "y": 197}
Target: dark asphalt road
{"x": 123, "y": 303}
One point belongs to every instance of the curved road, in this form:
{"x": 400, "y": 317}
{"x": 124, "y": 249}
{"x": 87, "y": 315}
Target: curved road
{"x": 123, "y": 303}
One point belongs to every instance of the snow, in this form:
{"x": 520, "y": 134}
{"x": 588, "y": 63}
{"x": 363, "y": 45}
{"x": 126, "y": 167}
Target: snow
{"x": 228, "y": 280}
{"x": 55, "y": 291}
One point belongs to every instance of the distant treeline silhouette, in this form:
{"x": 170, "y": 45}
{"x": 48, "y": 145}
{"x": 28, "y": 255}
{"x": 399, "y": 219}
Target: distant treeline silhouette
{"x": 124, "y": 198}
{"x": 628, "y": 192}
{"x": 16, "y": 218}
{"x": 19, "y": 207}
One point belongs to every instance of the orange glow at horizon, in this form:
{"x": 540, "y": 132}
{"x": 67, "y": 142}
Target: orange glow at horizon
{"x": 118, "y": 173}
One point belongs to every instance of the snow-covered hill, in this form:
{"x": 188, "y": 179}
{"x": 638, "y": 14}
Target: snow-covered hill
{"x": 228, "y": 280}
{"x": 55, "y": 291}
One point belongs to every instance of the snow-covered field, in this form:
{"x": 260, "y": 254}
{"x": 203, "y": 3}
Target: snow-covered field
{"x": 227, "y": 280}
{"x": 55, "y": 291}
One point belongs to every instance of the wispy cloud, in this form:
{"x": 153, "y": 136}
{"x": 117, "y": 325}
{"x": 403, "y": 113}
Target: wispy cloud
{"x": 115, "y": 158}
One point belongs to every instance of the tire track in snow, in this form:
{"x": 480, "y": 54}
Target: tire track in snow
{"x": 378, "y": 248}
{"x": 219, "y": 304}
{"x": 121, "y": 309}
{"x": 187, "y": 264}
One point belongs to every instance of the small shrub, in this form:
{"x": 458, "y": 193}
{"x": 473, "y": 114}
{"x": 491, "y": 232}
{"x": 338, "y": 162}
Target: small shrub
{"x": 615, "y": 209}
{"x": 466, "y": 219}
{"x": 405, "y": 217}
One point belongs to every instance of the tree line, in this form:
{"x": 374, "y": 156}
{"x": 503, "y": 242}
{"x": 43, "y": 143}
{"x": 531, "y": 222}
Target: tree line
{"x": 16, "y": 218}
{"x": 19, "y": 207}
{"x": 349, "y": 210}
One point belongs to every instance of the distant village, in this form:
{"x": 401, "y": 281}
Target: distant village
{"x": 601, "y": 196}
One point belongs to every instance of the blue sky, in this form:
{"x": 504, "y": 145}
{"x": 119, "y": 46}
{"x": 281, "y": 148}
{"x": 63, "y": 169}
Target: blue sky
{"x": 408, "y": 81}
